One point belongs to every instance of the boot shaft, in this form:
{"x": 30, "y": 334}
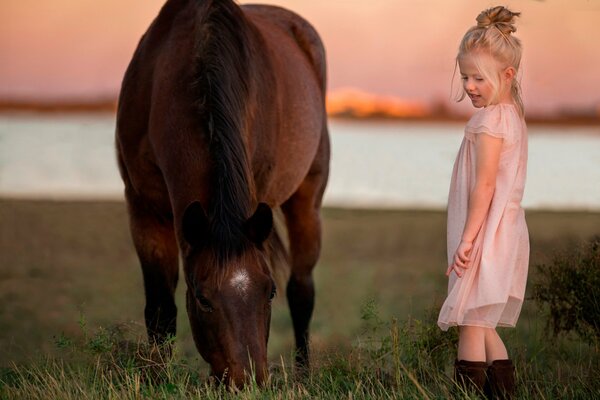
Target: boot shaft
{"x": 501, "y": 380}
{"x": 470, "y": 375}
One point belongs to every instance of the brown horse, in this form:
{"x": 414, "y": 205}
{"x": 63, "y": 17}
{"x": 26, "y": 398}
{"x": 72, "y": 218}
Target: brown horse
{"x": 221, "y": 118}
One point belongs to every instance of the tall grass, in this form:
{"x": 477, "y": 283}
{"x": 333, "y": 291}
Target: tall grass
{"x": 389, "y": 360}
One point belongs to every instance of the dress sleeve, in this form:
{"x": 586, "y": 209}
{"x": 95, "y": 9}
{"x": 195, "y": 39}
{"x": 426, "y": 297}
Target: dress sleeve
{"x": 492, "y": 120}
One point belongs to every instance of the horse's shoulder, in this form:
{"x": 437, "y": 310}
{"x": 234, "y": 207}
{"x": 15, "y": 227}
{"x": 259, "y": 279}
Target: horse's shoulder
{"x": 301, "y": 30}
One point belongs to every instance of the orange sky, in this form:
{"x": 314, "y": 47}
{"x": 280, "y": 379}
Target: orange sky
{"x": 72, "y": 49}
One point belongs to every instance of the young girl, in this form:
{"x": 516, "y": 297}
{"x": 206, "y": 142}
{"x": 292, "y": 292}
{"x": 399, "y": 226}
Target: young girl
{"x": 488, "y": 243}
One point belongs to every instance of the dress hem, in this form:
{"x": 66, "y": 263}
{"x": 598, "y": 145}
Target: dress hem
{"x": 446, "y": 326}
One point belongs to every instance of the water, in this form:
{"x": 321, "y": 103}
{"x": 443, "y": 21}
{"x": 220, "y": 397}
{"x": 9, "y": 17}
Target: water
{"x": 382, "y": 165}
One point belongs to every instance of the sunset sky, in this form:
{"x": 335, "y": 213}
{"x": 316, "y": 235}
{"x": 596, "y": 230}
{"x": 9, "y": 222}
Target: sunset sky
{"x": 79, "y": 49}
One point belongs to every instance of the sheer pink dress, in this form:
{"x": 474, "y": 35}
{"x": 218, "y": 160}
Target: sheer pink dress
{"x": 490, "y": 293}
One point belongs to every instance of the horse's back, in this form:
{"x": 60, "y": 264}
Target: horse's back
{"x": 298, "y": 62}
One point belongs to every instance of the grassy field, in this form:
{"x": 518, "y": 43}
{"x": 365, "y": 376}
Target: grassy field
{"x": 70, "y": 288}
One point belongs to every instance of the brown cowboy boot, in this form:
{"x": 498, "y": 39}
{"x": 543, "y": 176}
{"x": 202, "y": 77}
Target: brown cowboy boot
{"x": 470, "y": 375}
{"x": 501, "y": 380}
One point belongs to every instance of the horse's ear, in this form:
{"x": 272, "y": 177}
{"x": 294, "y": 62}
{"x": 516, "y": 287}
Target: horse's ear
{"x": 259, "y": 226}
{"x": 195, "y": 224}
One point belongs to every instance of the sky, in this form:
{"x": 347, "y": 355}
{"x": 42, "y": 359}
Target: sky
{"x": 79, "y": 49}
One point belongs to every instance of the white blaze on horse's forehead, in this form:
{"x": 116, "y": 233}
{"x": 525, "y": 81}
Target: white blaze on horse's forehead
{"x": 241, "y": 281}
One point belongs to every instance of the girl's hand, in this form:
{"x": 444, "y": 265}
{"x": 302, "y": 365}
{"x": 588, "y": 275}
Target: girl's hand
{"x": 461, "y": 258}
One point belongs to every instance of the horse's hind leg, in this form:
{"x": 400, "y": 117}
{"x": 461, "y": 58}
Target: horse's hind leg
{"x": 156, "y": 246}
{"x": 302, "y": 212}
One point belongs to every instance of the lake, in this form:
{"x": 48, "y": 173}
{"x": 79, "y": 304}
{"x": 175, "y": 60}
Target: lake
{"x": 373, "y": 165}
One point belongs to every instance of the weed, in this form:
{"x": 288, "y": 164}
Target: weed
{"x": 568, "y": 287}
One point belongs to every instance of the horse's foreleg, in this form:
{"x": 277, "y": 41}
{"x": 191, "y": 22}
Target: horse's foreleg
{"x": 302, "y": 213}
{"x": 156, "y": 246}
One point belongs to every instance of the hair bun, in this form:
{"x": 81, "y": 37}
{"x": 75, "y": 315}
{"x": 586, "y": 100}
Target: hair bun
{"x": 499, "y": 17}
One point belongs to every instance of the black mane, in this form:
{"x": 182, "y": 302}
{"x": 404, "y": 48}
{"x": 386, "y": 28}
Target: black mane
{"x": 222, "y": 88}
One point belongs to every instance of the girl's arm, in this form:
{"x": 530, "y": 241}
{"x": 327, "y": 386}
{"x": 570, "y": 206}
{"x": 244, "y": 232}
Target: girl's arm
{"x": 487, "y": 150}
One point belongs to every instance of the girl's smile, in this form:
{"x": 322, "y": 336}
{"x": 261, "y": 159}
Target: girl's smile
{"x": 475, "y": 99}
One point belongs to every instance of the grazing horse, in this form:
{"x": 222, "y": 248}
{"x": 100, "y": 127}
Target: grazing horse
{"x": 221, "y": 119}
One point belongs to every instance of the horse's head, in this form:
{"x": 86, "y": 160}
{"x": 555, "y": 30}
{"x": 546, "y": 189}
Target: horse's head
{"x": 229, "y": 295}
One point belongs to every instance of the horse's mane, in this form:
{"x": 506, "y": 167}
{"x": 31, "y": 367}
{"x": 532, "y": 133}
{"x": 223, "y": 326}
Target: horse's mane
{"x": 222, "y": 89}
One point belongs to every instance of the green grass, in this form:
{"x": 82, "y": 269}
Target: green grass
{"x": 71, "y": 312}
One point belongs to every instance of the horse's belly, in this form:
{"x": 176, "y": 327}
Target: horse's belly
{"x": 295, "y": 155}
{"x": 297, "y": 142}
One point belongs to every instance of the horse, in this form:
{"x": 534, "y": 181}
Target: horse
{"x": 220, "y": 121}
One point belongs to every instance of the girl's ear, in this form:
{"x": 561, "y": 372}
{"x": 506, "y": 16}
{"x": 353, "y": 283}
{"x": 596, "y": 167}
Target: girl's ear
{"x": 509, "y": 74}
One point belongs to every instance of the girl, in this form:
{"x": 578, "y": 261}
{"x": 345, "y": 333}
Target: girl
{"x": 488, "y": 243}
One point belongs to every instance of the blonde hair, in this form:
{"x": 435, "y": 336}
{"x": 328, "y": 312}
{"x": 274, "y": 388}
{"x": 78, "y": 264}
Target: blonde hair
{"x": 493, "y": 35}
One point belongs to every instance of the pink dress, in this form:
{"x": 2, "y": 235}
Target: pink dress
{"x": 490, "y": 292}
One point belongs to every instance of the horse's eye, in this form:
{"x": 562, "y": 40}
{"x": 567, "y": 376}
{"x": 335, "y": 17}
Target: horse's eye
{"x": 203, "y": 302}
{"x": 273, "y": 292}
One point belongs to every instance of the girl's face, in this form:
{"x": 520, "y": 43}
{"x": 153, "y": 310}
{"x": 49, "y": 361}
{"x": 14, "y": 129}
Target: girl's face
{"x": 478, "y": 86}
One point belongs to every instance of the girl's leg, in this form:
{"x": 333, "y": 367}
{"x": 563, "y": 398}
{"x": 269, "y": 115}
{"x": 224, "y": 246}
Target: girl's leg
{"x": 494, "y": 347}
{"x": 471, "y": 343}
{"x": 470, "y": 366}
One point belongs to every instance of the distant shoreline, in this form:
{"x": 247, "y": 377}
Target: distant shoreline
{"x": 110, "y": 107}
{"x": 91, "y": 200}
{"x": 59, "y": 107}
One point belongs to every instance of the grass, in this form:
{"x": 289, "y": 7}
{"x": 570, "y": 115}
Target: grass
{"x": 71, "y": 306}
{"x": 389, "y": 360}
